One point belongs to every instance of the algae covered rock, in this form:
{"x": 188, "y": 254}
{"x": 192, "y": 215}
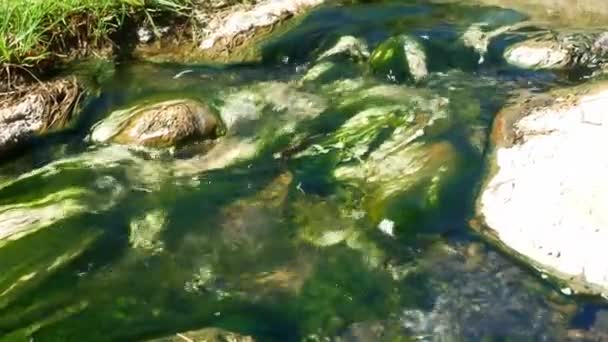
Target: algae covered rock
{"x": 30, "y": 261}
{"x": 162, "y": 124}
{"x": 347, "y": 47}
{"x": 48, "y": 202}
{"x": 145, "y": 230}
{"x": 256, "y": 119}
{"x": 342, "y": 60}
{"x": 400, "y": 58}
{"x": 389, "y": 153}
{"x": 250, "y": 220}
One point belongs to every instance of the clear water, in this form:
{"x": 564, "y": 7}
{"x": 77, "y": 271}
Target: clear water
{"x": 237, "y": 248}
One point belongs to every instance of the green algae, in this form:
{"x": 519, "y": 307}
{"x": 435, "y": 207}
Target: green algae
{"x": 314, "y": 213}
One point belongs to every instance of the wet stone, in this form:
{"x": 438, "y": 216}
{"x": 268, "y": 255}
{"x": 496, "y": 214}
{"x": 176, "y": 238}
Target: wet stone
{"x": 158, "y": 125}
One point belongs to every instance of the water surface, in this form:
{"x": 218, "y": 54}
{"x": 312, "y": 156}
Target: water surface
{"x": 278, "y": 247}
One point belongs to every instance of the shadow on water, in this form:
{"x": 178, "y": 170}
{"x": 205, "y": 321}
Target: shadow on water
{"x": 279, "y": 246}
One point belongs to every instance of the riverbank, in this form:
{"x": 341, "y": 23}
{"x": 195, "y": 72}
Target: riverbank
{"x": 38, "y": 36}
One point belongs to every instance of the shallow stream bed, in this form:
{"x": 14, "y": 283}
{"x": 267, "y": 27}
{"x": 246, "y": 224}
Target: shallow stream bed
{"x": 347, "y": 221}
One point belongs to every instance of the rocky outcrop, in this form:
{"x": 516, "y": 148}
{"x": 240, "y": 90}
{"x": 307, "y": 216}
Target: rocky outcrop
{"x": 546, "y": 197}
{"x": 36, "y": 110}
{"x": 158, "y": 125}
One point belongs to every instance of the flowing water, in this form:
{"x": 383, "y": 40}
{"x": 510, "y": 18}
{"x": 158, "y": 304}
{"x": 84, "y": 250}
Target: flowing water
{"x": 336, "y": 228}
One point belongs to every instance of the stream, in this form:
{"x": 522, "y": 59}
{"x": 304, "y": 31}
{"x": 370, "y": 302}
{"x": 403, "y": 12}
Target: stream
{"x": 348, "y": 221}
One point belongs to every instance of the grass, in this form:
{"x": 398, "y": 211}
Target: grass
{"x": 35, "y": 32}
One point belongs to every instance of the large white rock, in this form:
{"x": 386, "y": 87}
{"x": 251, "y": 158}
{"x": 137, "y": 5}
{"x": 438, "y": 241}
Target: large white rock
{"x": 548, "y": 197}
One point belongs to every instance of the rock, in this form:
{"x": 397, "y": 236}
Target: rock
{"x": 255, "y": 118}
{"x": 326, "y": 222}
{"x": 545, "y": 199}
{"x": 36, "y": 110}
{"x": 559, "y": 51}
{"x": 237, "y": 26}
{"x": 349, "y": 47}
{"x": 400, "y": 58}
{"x": 206, "y": 335}
{"x": 22, "y": 214}
{"x": 481, "y": 301}
{"x": 382, "y": 152}
{"x": 247, "y": 221}
{"x": 29, "y": 262}
{"x": 479, "y": 37}
{"x": 338, "y": 62}
{"x": 158, "y": 125}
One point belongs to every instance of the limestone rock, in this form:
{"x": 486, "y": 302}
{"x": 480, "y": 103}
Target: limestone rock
{"x": 162, "y": 124}
{"x": 546, "y": 198}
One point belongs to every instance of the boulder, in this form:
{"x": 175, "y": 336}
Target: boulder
{"x": 545, "y": 198}
{"x": 36, "y": 110}
{"x": 158, "y": 125}
{"x": 400, "y": 58}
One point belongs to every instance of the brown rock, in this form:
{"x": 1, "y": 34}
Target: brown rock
{"x": 158, "y": 125}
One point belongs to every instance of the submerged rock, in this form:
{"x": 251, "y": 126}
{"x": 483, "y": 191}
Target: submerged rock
{"x": 28, "y": 262}
{"x": 255, "y": 118}
{"x": 400, "y": 58}
{"x": 559, "y": 51}
{"x": 158, "y": 125}
{"x": 388, "y": 153}
{"x": 546, "y": 197}
{"x": 24, "y": 213}
{"x": 249, "y": 220}
{"x": 34, "y": 111}
{"x": 206, "y": 335}
{"x": 145, "y": 230}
